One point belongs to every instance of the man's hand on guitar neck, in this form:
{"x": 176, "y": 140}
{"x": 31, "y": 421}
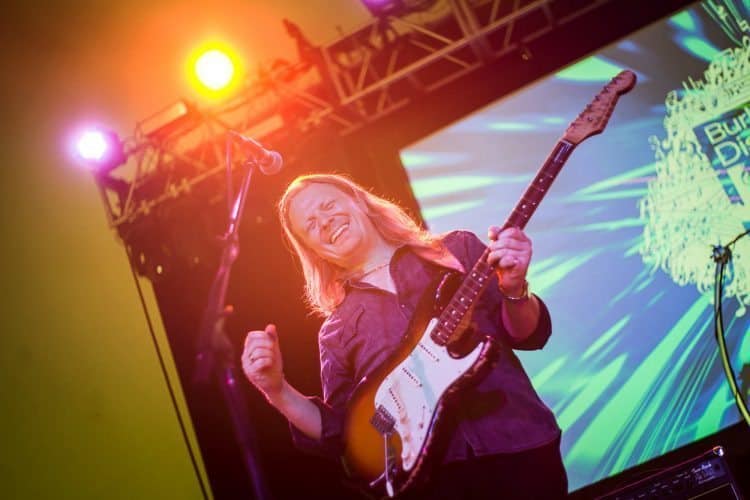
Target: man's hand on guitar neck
{"x": 510, "y": 254}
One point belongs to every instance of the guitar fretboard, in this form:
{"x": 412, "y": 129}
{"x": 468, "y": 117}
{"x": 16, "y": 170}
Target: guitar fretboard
{"x": 479, "y": 275}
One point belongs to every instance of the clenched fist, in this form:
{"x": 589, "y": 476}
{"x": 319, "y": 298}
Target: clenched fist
{"x": 261, "y": 361}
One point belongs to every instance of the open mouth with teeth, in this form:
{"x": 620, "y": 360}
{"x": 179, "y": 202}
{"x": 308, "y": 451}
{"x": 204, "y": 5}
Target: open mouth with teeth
{"x": 338, "y": 232}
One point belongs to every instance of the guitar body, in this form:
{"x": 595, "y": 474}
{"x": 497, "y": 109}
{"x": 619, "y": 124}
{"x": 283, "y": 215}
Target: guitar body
{"x": 411, "y": 391}
{"x": 391, "y": 430}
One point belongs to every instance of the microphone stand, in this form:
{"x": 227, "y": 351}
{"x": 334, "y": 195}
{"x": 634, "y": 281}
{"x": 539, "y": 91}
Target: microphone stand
{"x": 215, "y": 353}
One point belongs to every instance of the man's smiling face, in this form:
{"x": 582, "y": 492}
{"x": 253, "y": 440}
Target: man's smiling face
{"x": 332, "y": 225}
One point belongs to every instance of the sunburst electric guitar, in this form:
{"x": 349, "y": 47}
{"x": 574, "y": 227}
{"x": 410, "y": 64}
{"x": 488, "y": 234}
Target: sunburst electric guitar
{"x": 393, "y": 418}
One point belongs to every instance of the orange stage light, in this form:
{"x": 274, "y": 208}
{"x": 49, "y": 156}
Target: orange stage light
{"x": 214, "y": 70}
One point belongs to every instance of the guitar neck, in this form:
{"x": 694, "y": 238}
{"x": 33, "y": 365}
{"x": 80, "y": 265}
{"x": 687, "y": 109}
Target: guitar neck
{"x": 538, "y": 188}
{"x": 591, "y": 121}
{"x": 479, "y": 275}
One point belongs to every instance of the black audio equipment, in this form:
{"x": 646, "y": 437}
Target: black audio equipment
{"x": 706, "y": 477}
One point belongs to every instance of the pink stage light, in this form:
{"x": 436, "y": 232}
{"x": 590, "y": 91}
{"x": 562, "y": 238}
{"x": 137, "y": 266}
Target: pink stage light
{"x": 384, "y": 8}
{"x": 92, "y": 146}
{"x": 98, "y": 149}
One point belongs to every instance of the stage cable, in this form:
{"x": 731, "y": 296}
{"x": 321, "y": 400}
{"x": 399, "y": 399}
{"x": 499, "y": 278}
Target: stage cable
{"x": 168, "y": 381}
{"x": 722, "y": 255}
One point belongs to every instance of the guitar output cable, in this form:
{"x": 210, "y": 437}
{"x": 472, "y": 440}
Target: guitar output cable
{"x": 722, "y": 255}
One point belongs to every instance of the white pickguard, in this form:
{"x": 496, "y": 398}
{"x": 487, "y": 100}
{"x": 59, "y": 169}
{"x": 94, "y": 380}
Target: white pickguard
{"x": 411, "y": 392}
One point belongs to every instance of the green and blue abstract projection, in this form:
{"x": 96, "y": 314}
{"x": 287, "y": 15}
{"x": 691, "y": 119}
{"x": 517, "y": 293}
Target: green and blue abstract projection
{"x": 622, "y": 242}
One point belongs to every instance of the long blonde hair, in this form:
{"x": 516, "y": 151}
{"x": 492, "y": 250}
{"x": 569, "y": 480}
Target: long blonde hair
{"x": 324, "y": 281}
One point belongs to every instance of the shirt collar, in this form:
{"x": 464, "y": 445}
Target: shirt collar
{"x": 446, "y": 259}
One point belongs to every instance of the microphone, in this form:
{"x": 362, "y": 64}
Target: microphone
{"x": 270, "y": 162}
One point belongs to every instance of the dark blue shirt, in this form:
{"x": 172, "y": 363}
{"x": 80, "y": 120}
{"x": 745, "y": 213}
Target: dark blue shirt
{"x": 502, "y": 414}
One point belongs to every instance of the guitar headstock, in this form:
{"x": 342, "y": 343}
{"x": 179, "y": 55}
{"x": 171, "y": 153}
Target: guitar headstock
{"x": 593, "y": 119}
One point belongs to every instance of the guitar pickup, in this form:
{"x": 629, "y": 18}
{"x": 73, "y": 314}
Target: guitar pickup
{"x": 383, "y": 421}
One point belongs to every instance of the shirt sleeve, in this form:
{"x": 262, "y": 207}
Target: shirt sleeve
{"x": 538, "y": 339}
{"x": 471, "y": 249}
{"x": 337, "y": 385}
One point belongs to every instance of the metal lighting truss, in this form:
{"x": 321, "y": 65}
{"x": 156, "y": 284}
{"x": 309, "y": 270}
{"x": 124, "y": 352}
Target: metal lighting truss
{"x": 342, "y": 86}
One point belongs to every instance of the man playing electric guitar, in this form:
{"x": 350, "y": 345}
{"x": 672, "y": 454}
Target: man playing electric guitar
{"x": 367, "y": 265}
